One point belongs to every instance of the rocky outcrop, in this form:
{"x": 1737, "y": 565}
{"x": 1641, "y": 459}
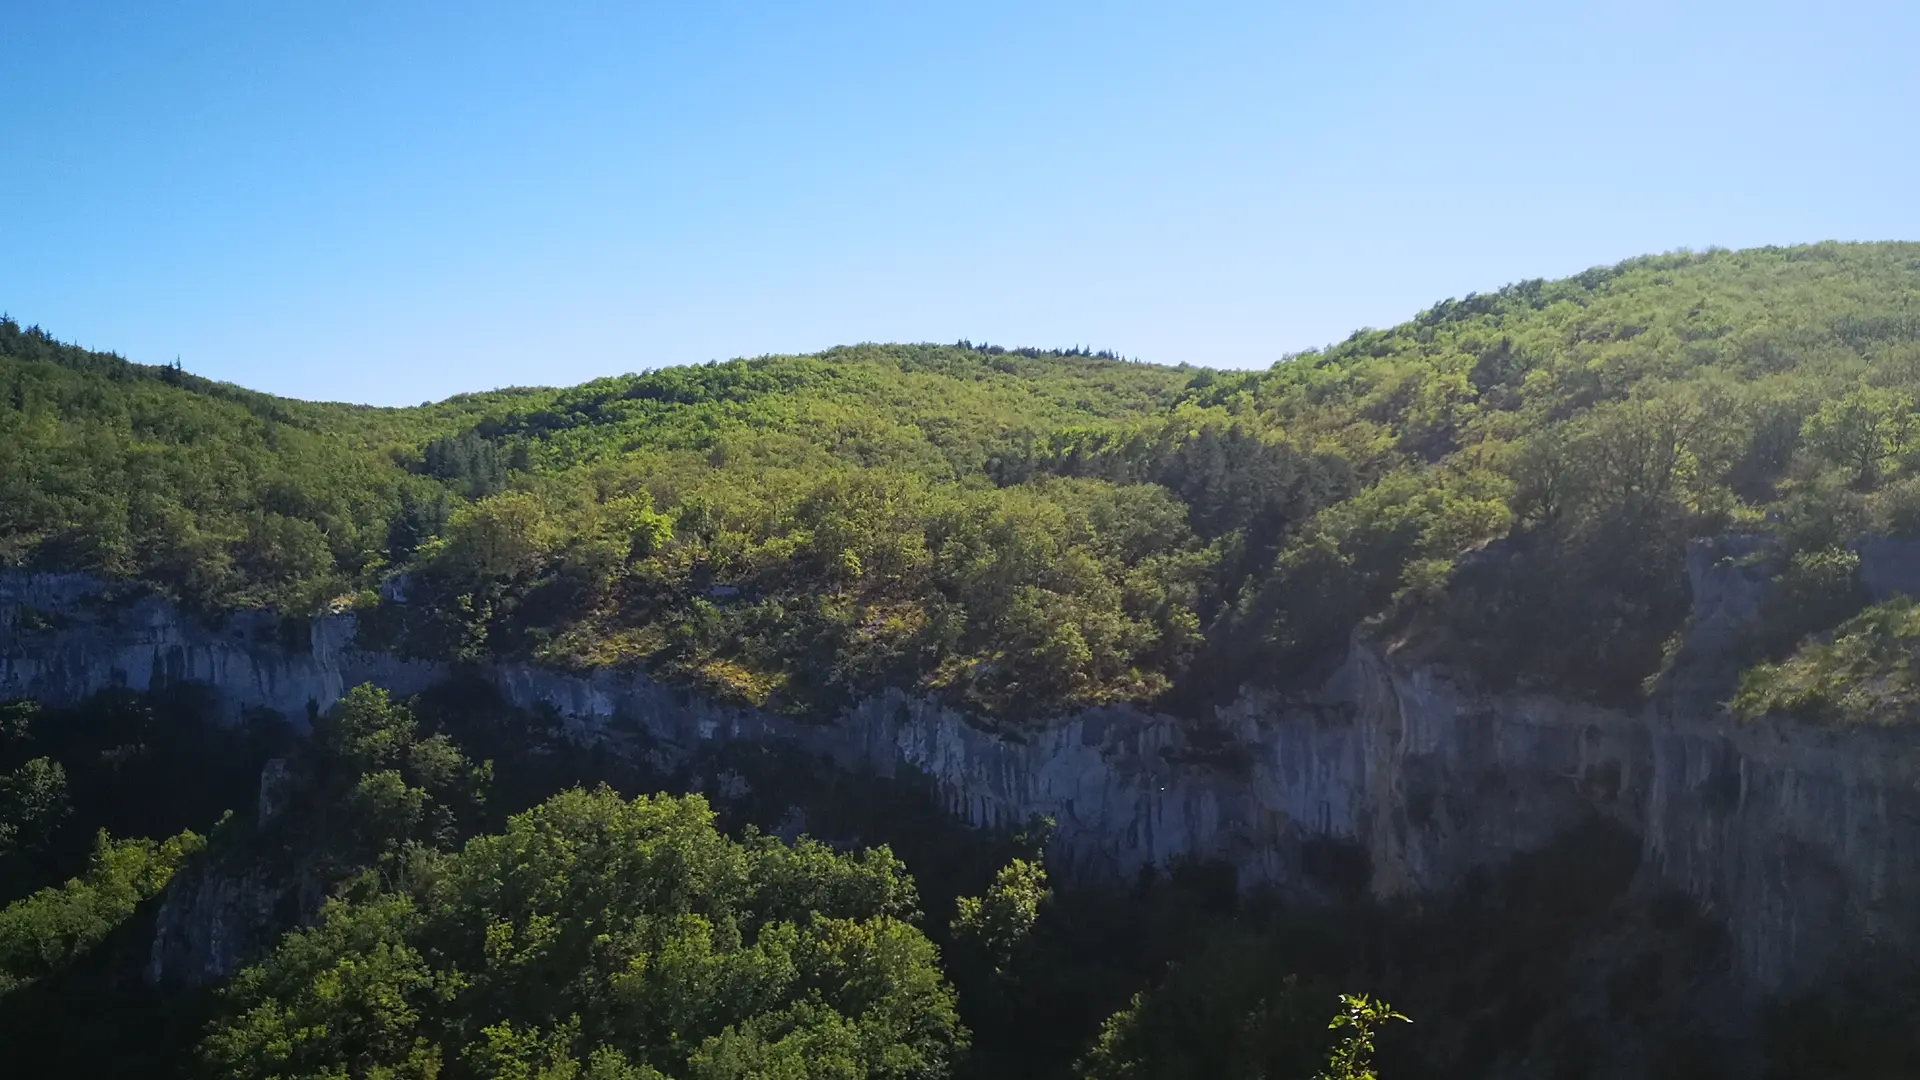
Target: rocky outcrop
{"x": 214, "y": 918}
{"x": 1394, "y": 779}
{"x": 1730, "y": 578}
{"x": 67, "y": 637}
{"x": 1889, "y": 567}
{"x": 1804, "y": 842}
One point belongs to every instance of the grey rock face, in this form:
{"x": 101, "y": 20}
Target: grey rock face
{"x": 1889, "y": 567}
{"x": 64, "y": 638}
{"x": 213, "y": 920}
{"x": 1730, "y": 580}
{"x": 1805, "y": 842}
{"x": 274, "y": 779}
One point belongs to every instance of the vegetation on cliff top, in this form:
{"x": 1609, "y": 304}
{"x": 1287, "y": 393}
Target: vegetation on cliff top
{"x": 1508, "y": 479}
{"x": 1026, "y": 532}
{"x": 1862, "y": 673}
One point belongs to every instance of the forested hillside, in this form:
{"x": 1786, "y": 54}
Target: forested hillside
{"x": 438, "y": 887}
{"x": 1511, "y": 477}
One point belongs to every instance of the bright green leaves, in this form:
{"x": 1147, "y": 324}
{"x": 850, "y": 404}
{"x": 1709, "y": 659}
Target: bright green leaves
{"x": 212, "y": 493}
{"x": 1027, "y": 533}
{"x": 647, "y": 531}
{"x": 382, "y": 788}
{"x": 1360, "y": 1017}
{"x": 1018, "y": 601}
{"x": 48, "y": 930}
{"x": 607, "y": 940}
{"x": 366, "y": 730}
{"x": 998, "y": 922}
{"x": 496, "y": 539}
{"x": 286, "y": 563}
{"x": 1862, "y": 431}
{"x": 1394, "y": 543}
{"x": 345, "y": 998}
{"x": 1866, "y": 674}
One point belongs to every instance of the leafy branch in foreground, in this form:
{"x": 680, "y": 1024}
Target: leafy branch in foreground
{"x": 1359, "y": 1018}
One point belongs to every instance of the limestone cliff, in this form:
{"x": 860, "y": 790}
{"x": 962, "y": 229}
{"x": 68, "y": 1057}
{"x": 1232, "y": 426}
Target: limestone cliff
{"x": 216, "y": 918}
{"x": 66, "y": 637}
{"x": 1392, "y": 778}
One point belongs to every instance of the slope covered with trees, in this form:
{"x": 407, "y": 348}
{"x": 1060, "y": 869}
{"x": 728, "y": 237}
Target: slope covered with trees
{"x": 1507, "y": 482}
{"x": 1509, "y": 478}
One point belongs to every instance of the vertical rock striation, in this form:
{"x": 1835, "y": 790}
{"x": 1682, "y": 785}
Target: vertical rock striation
{"x": 67, "y": 637}
{"x": 1393, "y": 779}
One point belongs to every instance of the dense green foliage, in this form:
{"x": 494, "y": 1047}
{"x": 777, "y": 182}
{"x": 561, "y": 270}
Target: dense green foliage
{"x": 221, "y": 496}
{"x": 76, "y": 899}
{"x": 33, "y": 802}
{"x": 1508, "y": 481}
{"x": 1506, "y": 971}
{"x": 33, "y": 794}
{"x": 608, "y": 939}
{"x": 381, "y": 807}
{"x": 786, "y": 530}
{"x": 1028, "y": 531}
{"x": 999, "y": 921}
{"x": 1614, "y": 415}
{"x": 1864, "y": 675}
{"x": 375, "y": 790}
{"x": 48, "y": 930}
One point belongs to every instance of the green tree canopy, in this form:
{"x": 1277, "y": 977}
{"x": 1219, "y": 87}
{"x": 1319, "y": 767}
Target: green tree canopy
{"x": 606, "y": 938}
{"x": 43, "y": 933}
{"x": 33, "y": 801}
{"x": 1511, "y": 477}
{"x": 1861, "y": 431}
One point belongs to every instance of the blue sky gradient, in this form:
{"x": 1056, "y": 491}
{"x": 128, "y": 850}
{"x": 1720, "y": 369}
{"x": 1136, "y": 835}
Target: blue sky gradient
{"x": 394, "y": 202}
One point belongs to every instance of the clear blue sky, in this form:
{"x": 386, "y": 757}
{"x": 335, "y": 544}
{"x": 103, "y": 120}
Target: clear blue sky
{"x": 397, "y": 201}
